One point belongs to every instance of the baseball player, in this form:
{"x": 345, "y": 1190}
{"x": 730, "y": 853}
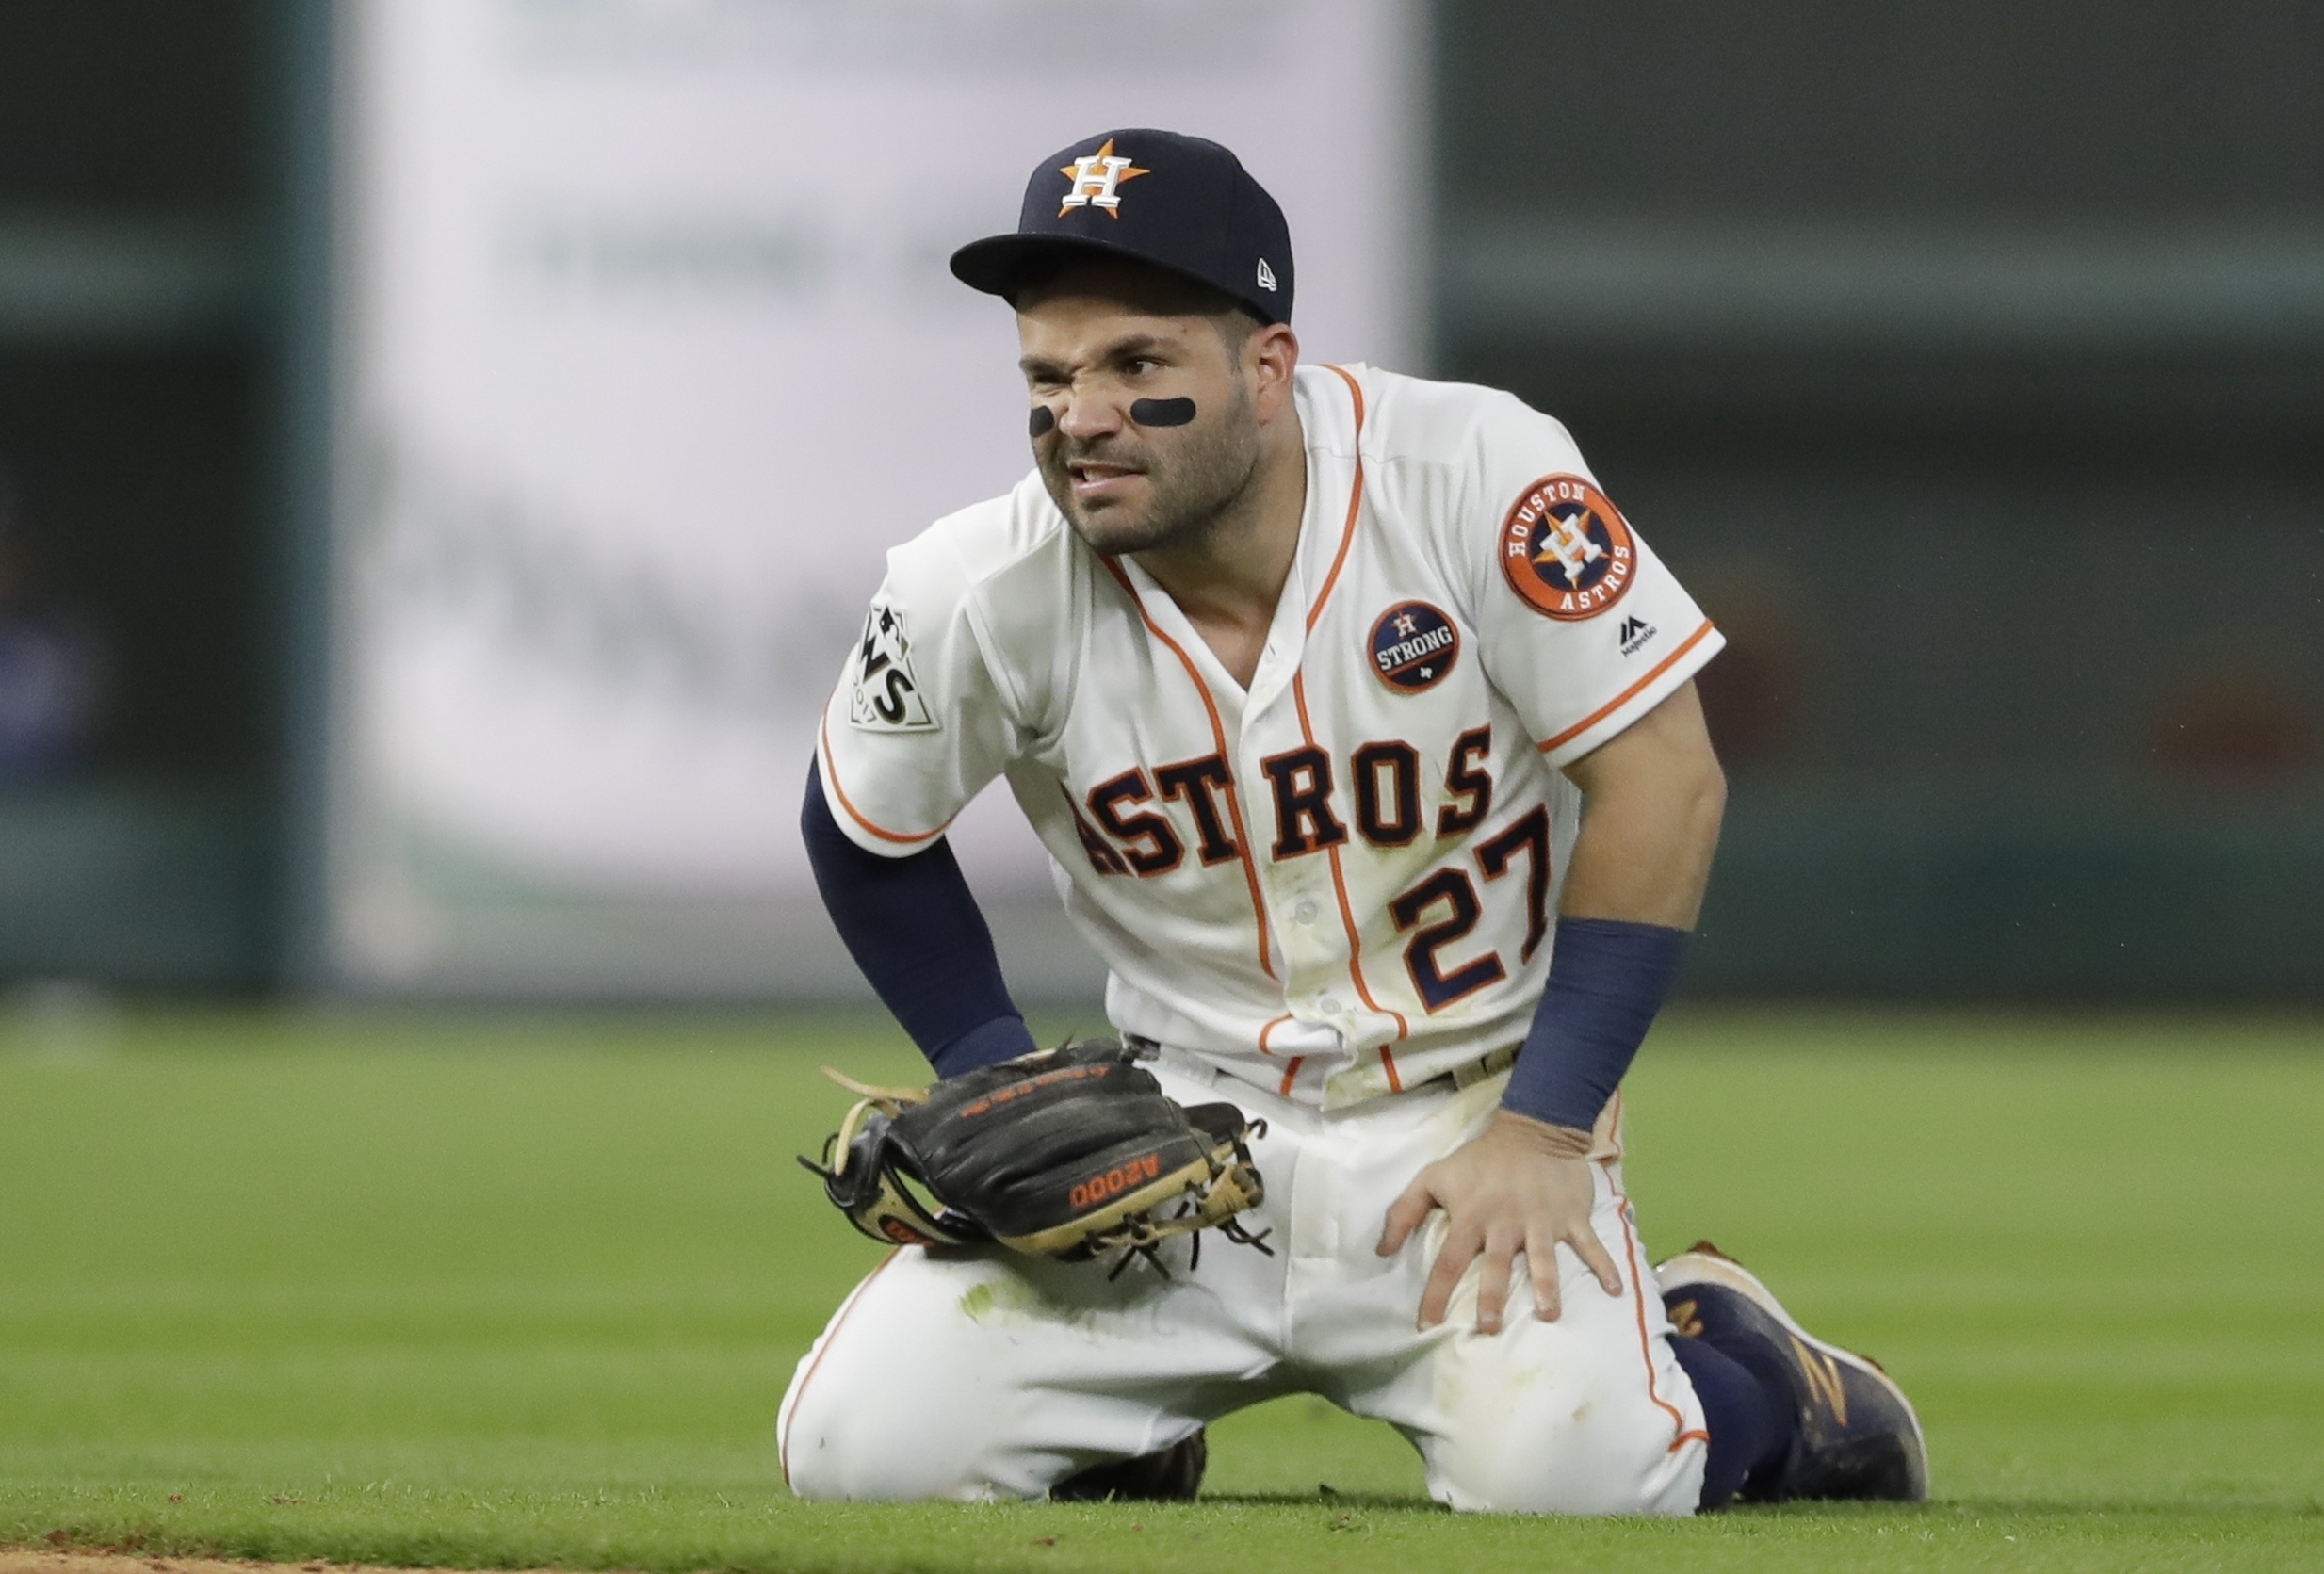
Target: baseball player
{"x": 1358, "y": 724}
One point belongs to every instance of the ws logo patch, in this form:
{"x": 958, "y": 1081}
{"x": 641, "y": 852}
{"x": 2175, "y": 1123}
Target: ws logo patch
{"x": 887, "y": 695}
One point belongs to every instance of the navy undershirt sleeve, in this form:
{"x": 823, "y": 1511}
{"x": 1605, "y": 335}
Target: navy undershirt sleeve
{"x": 1608, "y": 977}
{"x": 913, "y": 926}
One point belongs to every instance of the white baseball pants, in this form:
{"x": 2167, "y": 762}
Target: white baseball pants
{"x": 980, "y": 1374}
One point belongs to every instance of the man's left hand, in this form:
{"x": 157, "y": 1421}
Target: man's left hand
{"x": 1521, "y": 1186}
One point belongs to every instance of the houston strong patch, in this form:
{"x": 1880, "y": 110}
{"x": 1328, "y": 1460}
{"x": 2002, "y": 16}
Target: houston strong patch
{"x": 1565, "y": 549}
{"x": 887, "y": 696}
{"x": 1413, "y": 646}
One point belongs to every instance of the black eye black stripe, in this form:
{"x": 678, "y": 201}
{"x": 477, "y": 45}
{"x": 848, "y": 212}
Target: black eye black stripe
{"x": 1162, "y": 412}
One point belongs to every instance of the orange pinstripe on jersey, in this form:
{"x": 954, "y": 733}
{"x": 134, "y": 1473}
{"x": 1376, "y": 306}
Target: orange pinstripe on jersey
{"x": 1218, "y": 738}
{"x": 1628, "y": 694}
{"x": 1307, "y": 732}
{"x": 1681, "y": 1434}
{"x": 1347, "y": 914}
{"x": 831, "y": 780}
{"x": 1291, "y": 1072}
{"x": 1356, "y": 497}
{"x": 1610, "y": 1125}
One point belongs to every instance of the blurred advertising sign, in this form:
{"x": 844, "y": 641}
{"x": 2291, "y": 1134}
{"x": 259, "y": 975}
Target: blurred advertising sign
{"x": 649, "y": 352}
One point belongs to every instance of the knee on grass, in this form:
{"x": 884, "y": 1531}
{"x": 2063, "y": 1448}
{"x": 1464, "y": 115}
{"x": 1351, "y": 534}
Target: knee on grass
{"x": 866, "y": 1453}
{"x": 1623, "y": 1463}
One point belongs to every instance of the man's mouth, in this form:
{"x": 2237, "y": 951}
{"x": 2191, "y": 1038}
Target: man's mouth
{"x": 1096, "y": 479}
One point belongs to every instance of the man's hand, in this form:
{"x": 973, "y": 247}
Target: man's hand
{"x": 1521, "y": 1186}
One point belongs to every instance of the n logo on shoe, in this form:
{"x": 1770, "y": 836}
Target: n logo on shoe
{"x": 1685, "y": 1321}
{"x": 1823, "y": 1379}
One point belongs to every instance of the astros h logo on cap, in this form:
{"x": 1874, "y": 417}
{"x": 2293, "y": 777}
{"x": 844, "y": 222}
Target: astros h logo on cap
{"x": 1097, "y": 180}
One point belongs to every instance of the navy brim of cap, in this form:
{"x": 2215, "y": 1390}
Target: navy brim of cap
{"x": 996, "y": 264}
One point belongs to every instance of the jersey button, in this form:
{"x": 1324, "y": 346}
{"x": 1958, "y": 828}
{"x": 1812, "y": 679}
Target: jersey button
{"x": 1305, "y": 912}
{"x": 1328, "y": 1006}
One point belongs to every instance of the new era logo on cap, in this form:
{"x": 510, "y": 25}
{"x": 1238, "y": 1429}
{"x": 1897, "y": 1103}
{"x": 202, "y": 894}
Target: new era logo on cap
{"x": 1193, "y": 211}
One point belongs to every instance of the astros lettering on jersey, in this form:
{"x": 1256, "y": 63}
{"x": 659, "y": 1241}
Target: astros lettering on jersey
{"x": 1344, "y": 881}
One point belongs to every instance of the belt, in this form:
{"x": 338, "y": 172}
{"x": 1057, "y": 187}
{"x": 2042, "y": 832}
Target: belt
{"x": 1492, "y": 1064}
{"x": 1465, "y": 1076}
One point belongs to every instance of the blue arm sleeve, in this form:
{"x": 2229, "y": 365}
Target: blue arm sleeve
{"x": 913, "y": 926}
{"x": 1607, "y": 980}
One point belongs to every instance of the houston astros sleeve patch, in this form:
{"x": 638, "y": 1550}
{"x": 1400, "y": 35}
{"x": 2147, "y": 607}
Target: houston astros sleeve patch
{"x": 1565, "y": 549}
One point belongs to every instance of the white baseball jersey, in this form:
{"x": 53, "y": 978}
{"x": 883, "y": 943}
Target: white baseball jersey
{"x": 1343, "y": 880}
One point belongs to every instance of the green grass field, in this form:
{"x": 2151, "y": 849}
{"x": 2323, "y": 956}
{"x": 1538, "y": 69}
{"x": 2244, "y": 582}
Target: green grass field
{"x": 515, "y": 1291}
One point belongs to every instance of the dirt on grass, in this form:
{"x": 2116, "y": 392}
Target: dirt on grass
{"x": 60, "y": 1561}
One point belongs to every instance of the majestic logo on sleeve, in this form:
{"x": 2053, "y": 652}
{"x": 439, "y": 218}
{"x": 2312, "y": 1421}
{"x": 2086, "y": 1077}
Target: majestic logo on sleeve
{"x": 1566, "y": 550}
{"x": 888, "y": 694}
{"x": 1096, "y": 181}
{"x": 1413, "y": 647}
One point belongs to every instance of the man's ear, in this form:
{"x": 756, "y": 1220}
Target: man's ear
{"x": 1270, "y": 356}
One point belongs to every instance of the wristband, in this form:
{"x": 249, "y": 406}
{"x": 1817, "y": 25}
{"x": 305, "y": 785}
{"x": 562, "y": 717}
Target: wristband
{"x": 1608, "y": 977}
{"x": 1003, "y": 1038}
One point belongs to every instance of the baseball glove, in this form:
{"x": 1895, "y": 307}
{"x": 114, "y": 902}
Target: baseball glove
{"x": 1069, "y": 1153}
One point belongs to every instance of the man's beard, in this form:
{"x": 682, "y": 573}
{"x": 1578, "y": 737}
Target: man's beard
{"x": 1190, "y": 483}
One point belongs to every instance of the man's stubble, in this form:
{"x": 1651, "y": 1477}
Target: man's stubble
{"x": 1192, "y": 481}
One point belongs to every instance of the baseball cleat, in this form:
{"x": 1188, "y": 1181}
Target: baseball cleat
{"x": 1858, "y": 1436}
{"x": 1173, "y": 1475}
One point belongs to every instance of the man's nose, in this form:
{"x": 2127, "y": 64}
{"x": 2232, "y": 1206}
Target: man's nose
{"x": 1085, "y": 414}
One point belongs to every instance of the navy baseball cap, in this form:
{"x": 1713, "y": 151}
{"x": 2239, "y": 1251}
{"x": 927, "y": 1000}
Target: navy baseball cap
{"x": 1180, "y": 204}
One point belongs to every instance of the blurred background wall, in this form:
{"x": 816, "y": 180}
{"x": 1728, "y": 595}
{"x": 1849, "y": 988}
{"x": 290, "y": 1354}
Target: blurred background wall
{"x": 1969, "y": 358}
{"x": 1966, "y": 358}
{"x": 142, "y": 737}
{"x": 646, "y": 354}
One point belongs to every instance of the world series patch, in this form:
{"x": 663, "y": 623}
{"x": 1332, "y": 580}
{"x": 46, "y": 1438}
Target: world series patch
{"x": 886, "y": 695}
{"x": 1413, "y": 647}
{"x": 1566, "y": 550}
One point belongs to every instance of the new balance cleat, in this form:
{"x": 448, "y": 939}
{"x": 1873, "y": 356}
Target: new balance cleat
{"x": 1858, "y": 1436}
